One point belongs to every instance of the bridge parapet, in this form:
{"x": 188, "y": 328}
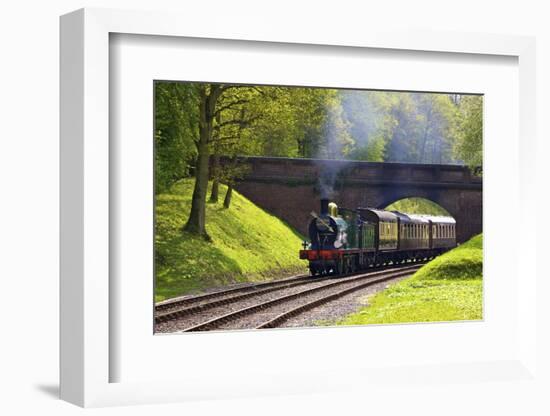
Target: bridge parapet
{"x": 310, "y": 170}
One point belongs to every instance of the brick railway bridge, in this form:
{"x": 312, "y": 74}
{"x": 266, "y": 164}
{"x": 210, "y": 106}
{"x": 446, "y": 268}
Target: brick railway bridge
{"x": 290, "y": 188}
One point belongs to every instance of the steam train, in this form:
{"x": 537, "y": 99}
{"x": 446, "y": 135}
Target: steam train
{"x": 344, "y": 240}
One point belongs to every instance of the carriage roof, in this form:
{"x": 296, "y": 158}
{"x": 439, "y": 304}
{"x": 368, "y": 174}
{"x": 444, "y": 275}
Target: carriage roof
{"x": 375, "y": 215}
{"x": 410, "y": 219}
{"x": 436, "y": 219}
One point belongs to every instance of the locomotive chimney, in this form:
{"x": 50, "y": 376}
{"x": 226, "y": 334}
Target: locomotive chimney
{"x": 324, "y": 206}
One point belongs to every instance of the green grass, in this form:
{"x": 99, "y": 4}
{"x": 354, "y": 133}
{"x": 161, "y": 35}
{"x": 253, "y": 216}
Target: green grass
{"x": 449, "y": 288}
{"x": 248, "y": 244}
{"x": 417, "y": 206}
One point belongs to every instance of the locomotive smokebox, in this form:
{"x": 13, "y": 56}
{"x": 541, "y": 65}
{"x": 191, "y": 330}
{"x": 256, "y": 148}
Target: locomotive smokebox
{"x": 324, "y": 206}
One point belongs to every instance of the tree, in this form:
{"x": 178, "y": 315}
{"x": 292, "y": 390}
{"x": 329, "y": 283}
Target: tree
{"x": 336, "y": 141}
{"x": 402, "y": 145}
{"x": 399, "y": 126}
{"x": 208, "y": 96}
{"x": 238, "y": 111}
{"x": 437, "y": 116}
{"x": 175, "y": 132}
{"x": 221, "y": 115}
{"x": 469, "y": 131}
{"x": 371, "y": 123}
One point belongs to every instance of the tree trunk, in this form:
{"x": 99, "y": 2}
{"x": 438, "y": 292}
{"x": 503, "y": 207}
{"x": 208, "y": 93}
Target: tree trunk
{"x": 215, "y": 191}
{"x": 196, "y": 223}
{"x": 216, "y": 181}
{"x": 227, "y": 200}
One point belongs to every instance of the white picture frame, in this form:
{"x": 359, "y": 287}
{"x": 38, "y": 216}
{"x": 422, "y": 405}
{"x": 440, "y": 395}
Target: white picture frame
{"x": 86, "y": 265}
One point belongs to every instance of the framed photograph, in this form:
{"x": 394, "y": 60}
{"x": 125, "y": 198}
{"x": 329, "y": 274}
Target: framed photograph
{"x": 281, "y": 213}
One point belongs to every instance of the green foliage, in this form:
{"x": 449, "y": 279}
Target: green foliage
{"x": 423, "y": 131}
{"x": 248, "y": 244}
{"x": 371, "y": 124}
{"x": 469, "y": 131}
{"x": 448, "y": 288}
{"x": 317, "y": 123}
{"x": 417, "y": 206}
{"x": 175, "y": 132}
{"x": 336, "y": 141}
{"x": 401, "y": 126}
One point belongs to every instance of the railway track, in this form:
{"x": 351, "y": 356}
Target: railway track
{"x": 225, "y": 299}
{"x": 172, "y": 306}
{"x": 262, "y": 306}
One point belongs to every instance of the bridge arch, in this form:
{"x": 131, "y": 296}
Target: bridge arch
{"x": 434, "y": 196}
{"x": 417, "y": 205}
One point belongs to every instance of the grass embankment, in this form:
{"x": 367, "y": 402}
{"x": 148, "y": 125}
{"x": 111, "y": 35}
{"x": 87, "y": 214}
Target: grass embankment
{"x": 248, "y": 244}
{"x": 449, "y": 288}
{"x": 417, "y": 206}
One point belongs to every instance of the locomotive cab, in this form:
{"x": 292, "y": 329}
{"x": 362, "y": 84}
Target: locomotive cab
{"x": 328, "y": 236}
{"x": 327, "y": 231}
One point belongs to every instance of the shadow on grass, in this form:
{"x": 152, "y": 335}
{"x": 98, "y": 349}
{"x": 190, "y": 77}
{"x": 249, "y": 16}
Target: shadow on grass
{"x": 182, "y": 277}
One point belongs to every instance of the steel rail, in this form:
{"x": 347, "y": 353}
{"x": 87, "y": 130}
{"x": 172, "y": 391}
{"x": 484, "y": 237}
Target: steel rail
{"x": 190, "y": 310}
{"x": 189, "y": 300}
{"x": 171, "y": 303}
{"x": 283, "y": 317}
{"x": 212, "y": 323}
